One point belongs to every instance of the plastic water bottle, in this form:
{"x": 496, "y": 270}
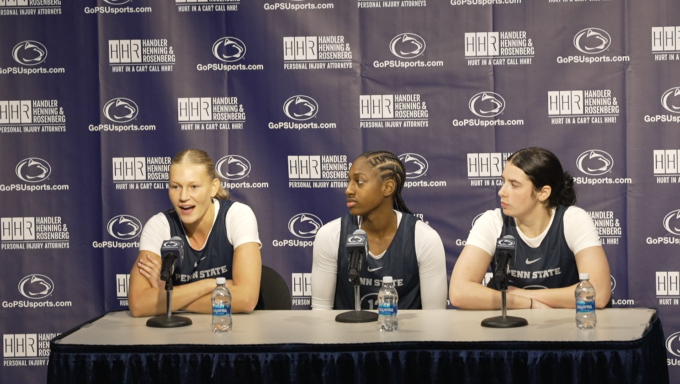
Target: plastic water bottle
{"x": 221, "y": 307}
{"x": 585, "y": 303}
{"x": 388, "y": 299}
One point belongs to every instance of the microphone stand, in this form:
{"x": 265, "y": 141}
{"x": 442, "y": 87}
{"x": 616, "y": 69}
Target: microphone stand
{"x": 168, "y": 321}
{"x": 504, "y": 321}
{"x": 357, "y": 315}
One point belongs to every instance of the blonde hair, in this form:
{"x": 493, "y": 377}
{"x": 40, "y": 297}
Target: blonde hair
{"x": 199, "y": 157}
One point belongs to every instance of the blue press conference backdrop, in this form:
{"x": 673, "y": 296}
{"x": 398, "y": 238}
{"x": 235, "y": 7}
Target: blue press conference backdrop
{"x": 96, "y": 97}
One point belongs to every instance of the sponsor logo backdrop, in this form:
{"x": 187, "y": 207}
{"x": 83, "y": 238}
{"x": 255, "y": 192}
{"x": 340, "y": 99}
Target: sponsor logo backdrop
{"x": 96, "y": 97}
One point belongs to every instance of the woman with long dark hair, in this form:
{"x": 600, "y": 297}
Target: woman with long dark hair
{"x": 399, "y": 245}
{"x": 555, "y": 241}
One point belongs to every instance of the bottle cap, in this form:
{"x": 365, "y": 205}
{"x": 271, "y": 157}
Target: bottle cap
{"x": 221, "y": 281}
{"x": 387, "y": 279}
{"x": 584, "y": 276}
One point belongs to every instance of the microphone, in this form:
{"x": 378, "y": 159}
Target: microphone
{"x": 172, "y": 250}
{"x": 506, "y": 247}
{"x": 357, "y": 247}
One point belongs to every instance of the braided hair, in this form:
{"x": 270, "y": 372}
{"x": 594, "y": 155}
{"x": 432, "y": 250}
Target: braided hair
{"x": 389, "y": 167}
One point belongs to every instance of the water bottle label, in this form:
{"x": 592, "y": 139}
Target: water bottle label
{"x": 221, "y": 310}
{"x": 585, "y": 307}
{"x": 385, "y": 309}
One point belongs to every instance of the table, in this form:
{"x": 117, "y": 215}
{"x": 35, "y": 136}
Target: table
{"x": 309, "y": 346}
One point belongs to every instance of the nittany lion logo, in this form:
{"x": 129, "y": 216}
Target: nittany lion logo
{"x": 595, "y": 162}
{"x": 671, "y": 222}
{"x": 232, "y": 167}
{"x": 415, "y": 164}
{"x": 671, "y": 100}
{"x": 300, "y": 107}
{"x": 407, "y": 46}
{"x": 120, "y": 110}
{"x": 229, "y": 49}
{"x": 124, "y": 227}
{"x": 304, "y": 225}
{"x": 487, "y": 104}
{"x": 29, "y": 52}
{"x": 592, "y": 41}
{"x": 33, "y": 170}
{"x": 36, "y": 286}
{"x": 672, "y": 344}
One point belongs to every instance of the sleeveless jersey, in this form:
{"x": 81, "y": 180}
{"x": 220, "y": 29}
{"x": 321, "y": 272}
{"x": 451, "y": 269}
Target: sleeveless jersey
{"x": 399, "y": 261}
{"x": 551, "y": 265}
{"x": 216, "y": 257}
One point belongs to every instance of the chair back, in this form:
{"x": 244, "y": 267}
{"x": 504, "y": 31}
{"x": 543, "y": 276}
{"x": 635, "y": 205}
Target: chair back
{"x": 274, "y": 292}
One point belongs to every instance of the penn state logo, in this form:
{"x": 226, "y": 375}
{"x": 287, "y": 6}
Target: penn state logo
{"x": 672, "y": 222}
{"x": 671, "y": 100}
{"x": 415, "y": 164}
{"x": 232, "y": 167}
{"x": 171, "y": 244}
{"x": 29, "y": 52}
{"x": 304, "y": 225}
{"x": 355, "y": 239}
{"x": 592, "y": 41}
{"x": 613, "y": 283}
{"x": 672, "y": 344}
{"x": 503, "y": 242}
{"x": 407, "y": 46}
{"x": 300, "y": 107}
{"x": 487, "y": 104}
{"x": 124, "y": 227}
{"x": 36, "y": 286}
{"x": 33, "y": 170}
{"x": 229, "y": 49}
{"x": 117, "y": 2}
{"x": 595, "y": 162}
{"x": 120, "y": 110}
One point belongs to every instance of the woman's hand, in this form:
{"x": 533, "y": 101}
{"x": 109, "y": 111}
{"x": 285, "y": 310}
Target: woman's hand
{"x": 535, "y": 304}
{"x": 150, "y": 267}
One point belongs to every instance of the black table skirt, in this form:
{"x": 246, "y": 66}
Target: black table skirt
{"x": 641, "y": 361}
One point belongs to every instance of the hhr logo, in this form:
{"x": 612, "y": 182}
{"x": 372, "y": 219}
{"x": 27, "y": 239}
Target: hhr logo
{"x": 33, "y": 170}
{"x": 229, "y": 49}
{"x": 120, "y": 110}
{"x": 124, "y": 227}
{"x": 300, "y": 108}
{"x": 415, "y": 165}
{"x": 595, "y": 162}
{"x": 487, "y": 104}
{"x": 29, "y": 52}
{"x": 36, "y": 286}
{"x": 671, "y": 100}
{"x": 232, "y": 167}
{"x": 407, "y": 46}
{"x": 592, "y": 41}
{"x": 304, "y": 225}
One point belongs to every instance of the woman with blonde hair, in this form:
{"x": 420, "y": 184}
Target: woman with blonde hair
{"x": 221, "y": 240}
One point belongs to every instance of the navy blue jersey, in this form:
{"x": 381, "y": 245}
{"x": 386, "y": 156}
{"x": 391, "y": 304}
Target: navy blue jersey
{"x": 216, "y": 257}
{"x": 551, "y": 265}
{"x": 399, "y": 261}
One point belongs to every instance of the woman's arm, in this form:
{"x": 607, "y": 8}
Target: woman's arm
{"x": 431, "y": 267}
{"x": 147, "y": 295}
{"x": 244, "y": 286}
{"x": 325, "y": 265}
{"x": 466, "y": 290}
{"x": 592, "y": 260}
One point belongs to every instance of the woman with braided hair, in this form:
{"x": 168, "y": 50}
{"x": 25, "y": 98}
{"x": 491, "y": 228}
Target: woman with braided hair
{"x": 399, "y": 245}
{"x": 555, "y": 241}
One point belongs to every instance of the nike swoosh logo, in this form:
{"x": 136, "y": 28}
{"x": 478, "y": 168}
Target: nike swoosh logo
{"x": 532, "y": 261}
{"x": 373, "y": 269}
